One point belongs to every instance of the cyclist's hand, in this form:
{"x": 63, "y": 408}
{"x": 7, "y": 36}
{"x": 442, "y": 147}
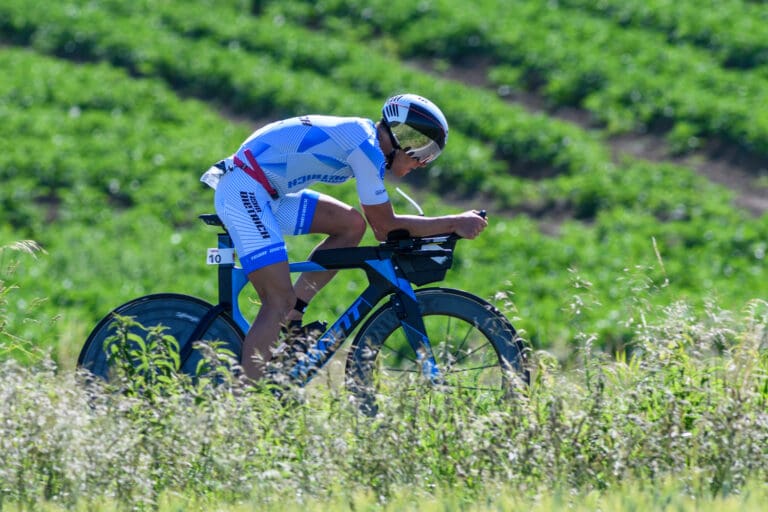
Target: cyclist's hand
{"x": 470, "y": 224}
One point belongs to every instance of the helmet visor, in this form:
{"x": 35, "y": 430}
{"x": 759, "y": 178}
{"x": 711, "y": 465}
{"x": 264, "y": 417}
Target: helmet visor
{"x": 414, "y": 143}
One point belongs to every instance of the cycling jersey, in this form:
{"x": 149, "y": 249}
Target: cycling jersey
{"x": 292, "y": 154}
{"x": 296, "y": 152}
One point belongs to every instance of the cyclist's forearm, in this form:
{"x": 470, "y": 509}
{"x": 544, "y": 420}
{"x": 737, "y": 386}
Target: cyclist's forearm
{"x": 415, "y": 225}
{"x": 425, "y": 226}
{"x": 383, "y": 219}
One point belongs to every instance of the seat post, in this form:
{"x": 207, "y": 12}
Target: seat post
{"x": 225, "y": 273}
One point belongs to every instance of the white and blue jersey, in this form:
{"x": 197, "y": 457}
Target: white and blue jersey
{"x": 293, "y": 154}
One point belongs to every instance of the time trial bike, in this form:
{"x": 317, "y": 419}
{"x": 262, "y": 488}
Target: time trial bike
{"x": 448, "y": 336}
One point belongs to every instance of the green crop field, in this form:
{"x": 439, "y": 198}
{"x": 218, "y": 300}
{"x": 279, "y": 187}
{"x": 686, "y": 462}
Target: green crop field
{"x": 620, "y": 148}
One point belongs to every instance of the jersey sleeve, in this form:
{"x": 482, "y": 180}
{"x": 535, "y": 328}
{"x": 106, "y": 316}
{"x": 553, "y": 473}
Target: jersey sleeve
{"x": 368, "y": 165}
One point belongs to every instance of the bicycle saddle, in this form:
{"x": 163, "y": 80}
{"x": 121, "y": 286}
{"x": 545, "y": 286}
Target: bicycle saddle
{"x": 211, "y": 219}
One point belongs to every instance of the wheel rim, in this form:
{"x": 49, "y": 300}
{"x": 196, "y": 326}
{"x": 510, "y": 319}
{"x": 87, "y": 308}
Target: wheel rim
{"x": 463, "y": 353}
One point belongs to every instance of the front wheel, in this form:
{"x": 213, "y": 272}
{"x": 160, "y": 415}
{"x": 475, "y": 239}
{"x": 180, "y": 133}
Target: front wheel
{"x": 474, "y": 344}
{"x": 180, "y": 314}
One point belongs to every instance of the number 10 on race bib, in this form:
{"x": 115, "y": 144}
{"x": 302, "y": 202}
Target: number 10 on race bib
{"x": 220, "y": 256}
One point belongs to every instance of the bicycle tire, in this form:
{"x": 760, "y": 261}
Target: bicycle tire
{"x": 473, "y": 342}
{"x": 179, "y": 313}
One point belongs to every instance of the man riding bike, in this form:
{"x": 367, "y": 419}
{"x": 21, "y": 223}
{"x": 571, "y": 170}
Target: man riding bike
{"x": 262, "y": 194}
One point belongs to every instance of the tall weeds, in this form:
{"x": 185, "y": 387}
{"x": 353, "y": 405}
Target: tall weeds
{"x": 11, "y": 344}
{"x": 690, "y": 404}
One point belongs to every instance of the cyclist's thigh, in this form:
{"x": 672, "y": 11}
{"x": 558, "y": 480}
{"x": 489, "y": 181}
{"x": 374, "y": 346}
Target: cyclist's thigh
{"x": 295, "y": 212}
{"x": 310, "y": 212}
{"x": 245, "y": 208}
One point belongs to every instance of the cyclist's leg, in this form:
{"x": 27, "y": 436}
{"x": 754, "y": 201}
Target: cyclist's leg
{"x": 311, "y": 212}
{"x": 273, "y": 285}
{"x": 245, "y": 208}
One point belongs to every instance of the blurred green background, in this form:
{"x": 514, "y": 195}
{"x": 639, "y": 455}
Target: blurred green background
{"x": 620, "y": 148}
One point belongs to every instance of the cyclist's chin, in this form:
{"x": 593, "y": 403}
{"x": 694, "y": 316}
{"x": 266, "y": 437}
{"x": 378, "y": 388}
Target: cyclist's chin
{"x": 401, "y": 171}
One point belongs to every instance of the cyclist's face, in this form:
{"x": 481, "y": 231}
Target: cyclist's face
{"x": 403, "y": 164}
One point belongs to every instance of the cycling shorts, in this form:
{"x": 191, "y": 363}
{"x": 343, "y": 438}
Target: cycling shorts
{"x": 257, "y": 223}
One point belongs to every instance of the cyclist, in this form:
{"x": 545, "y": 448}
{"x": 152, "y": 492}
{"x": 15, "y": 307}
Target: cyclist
{"x": 261, "y": 195}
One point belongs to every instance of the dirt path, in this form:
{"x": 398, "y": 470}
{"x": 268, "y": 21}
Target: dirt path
{"x": 721, "y": 164}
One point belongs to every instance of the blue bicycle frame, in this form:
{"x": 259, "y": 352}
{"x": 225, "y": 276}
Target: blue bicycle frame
{"x": 385, "y": 278}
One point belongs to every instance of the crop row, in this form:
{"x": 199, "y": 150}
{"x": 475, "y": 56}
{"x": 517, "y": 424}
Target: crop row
{"x": 733, "y": 30}
{"x": 84, "y": 141}
{"x": 628, "y": 78}
{"x": 253, "y": 65}
{"x": 269, "y": 85}
{"x": 527, "y": 138}
{"x": 252, "y": 84}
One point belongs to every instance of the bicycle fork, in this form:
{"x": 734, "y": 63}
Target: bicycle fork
{"x": 409, "y": 314}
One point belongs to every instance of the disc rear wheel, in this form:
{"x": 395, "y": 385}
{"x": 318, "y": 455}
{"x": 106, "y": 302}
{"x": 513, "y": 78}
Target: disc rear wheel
{"x": 180, "y": 314}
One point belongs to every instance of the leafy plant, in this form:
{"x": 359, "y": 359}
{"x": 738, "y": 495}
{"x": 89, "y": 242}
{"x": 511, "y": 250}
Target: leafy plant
{"x": 10, "y": 343}
{"x": 118, "y": 176}
{"x": 688, "y": 404}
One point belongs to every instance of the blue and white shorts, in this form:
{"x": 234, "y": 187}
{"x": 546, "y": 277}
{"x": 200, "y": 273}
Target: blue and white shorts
{"x": 258, "y": 223}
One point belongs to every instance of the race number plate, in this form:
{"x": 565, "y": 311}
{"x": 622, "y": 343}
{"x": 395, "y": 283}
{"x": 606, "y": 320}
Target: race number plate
{"x": 220, "y": 256}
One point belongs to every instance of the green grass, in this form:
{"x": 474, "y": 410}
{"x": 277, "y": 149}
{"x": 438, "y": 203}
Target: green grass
{"x": 669, "y": 496}
{"x": 681, "y": 421}
{"x": 111, "y": 111}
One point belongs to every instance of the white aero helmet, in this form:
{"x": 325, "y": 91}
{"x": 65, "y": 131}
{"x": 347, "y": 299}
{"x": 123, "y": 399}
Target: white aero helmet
{"x": 416, "y": 126}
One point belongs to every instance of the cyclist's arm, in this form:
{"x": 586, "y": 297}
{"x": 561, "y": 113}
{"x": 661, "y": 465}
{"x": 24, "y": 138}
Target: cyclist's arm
{"x": 383, "y": 219}
{"x": 368, "y": 164}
